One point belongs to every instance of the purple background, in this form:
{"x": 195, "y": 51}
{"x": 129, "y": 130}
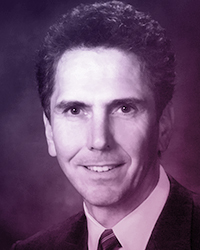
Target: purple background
{"x": 34, "y": 193}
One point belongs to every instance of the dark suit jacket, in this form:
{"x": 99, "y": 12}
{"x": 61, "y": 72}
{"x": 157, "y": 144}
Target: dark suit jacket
{"x": 177, "y": 228}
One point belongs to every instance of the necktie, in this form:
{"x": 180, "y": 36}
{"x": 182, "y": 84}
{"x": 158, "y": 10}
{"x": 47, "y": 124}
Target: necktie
{"x": 108, "y": 241}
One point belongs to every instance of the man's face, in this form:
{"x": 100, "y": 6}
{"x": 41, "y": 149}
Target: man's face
{"x": 103, "y": 127}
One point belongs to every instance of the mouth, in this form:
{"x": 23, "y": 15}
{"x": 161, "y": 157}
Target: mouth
{"x": 102, "y": 169}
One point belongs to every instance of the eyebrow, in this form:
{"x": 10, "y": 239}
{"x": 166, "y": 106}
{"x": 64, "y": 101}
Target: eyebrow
{"x": 127, "y": 100}
{"x": 67, "y": 104}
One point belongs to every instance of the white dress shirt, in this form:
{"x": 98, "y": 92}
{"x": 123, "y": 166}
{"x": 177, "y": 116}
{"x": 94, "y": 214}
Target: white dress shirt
{"x": 134, "y": 230}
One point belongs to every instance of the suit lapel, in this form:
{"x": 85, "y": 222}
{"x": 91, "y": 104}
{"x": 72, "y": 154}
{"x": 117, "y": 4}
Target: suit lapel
{"x": 77, "y": 236}
{"x": 173, "y": 228}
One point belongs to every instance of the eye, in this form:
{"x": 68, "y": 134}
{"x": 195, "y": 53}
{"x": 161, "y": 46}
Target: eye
{"x": 75, "y": 111}
{"x": 126, "y": 109}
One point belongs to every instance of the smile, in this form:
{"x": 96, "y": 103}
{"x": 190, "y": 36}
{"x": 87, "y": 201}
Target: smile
{"x": 101, "y": 169}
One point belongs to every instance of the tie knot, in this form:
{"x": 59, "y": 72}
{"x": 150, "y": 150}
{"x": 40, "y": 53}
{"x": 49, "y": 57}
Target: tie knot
{"x": 108, "y": 241}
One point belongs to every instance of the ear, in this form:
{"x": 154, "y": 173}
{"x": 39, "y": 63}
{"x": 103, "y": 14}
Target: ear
{"x": 165, "y": 127}
{"x": 49, "y": 136}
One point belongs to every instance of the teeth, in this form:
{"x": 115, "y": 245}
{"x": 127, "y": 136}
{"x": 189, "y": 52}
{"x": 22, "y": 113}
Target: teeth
{"x": 100, "y": 169}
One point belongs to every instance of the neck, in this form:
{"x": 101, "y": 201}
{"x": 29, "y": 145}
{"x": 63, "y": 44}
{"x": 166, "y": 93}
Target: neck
{"x": 109, "y": 216}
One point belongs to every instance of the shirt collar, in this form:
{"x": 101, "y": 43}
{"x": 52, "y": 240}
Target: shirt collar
{"x": 134, "y": 229}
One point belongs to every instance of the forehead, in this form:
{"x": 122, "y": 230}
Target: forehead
{"x": 100, "y": 72}
{"x": 98, "y": 58}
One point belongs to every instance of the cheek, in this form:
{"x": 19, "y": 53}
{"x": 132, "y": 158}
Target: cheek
{"x": 138, "y": 139}
{"x": 69, "y": 138}
{"x": 130, "y": 135}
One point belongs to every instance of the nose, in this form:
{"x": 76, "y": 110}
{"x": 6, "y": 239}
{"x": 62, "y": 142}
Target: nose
{"x": 99, "y": 135}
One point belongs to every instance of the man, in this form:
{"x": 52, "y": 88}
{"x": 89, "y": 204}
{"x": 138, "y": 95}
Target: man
{"x": 105, "y": 77}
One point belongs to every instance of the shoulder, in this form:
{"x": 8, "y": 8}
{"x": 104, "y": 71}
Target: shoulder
{"x": 187, "y": 204}
{"x": 195, "y": 229}
{"x": 57, "y": 237}
{"x": 178, "y": 226}
{"x": 180, "y": 197}
{"x": 183, "y": 195}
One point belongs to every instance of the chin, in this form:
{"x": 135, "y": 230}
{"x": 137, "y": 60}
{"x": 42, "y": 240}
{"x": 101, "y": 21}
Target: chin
{"x": 103, "y": 199}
